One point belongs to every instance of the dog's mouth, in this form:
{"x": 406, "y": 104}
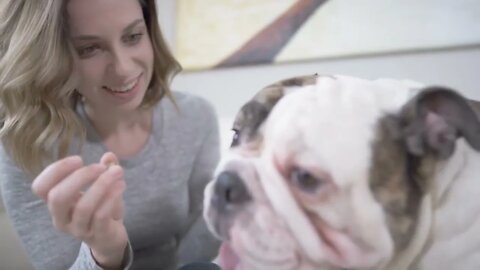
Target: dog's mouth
{"x": 228, "y": 257}
{"x": 259, "y": 242}
{"x": 343, "y": 249}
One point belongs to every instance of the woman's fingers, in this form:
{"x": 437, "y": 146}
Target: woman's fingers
{"x": 109, "y": 159}
{"x": 84, "y": 201}
{"x": 64, "y": 195}
{"x": 102, "y": 218}
{"x": 92, "y": 200}
{"x": 53, "y": 174}
{"x": 118, "y": 204}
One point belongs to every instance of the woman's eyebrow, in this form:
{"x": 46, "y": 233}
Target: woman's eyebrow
{"x": 132, "y": 25}
{"x": 93, "y": 37}
{"x": 85, "y": 37}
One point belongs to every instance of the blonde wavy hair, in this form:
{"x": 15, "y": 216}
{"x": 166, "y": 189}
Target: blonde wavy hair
{"x": 38, "y": 122}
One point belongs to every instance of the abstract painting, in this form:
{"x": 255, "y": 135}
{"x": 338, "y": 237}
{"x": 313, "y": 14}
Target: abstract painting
{"x": 226, "y": 33}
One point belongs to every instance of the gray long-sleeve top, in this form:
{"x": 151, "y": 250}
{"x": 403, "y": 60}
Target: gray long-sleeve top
{"x": 163, "y": 199}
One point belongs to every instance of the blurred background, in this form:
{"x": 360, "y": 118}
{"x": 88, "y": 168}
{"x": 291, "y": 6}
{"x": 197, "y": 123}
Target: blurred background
{"x": 228, "y": 82}
{"x": 433, "y": 42}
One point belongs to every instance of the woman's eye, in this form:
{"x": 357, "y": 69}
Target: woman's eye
{"x": 236, "y": 137}
{"x": 304, "y": 180}
{"x": 133, "y": 38}
{"x": 87, "y": 51}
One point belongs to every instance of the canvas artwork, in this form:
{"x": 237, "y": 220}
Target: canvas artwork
{"x": 226, "y": 33}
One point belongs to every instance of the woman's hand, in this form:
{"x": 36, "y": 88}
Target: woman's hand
{"x": 87, "y": 202}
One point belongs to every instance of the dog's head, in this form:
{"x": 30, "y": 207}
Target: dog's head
{"x": 328, "y": 172}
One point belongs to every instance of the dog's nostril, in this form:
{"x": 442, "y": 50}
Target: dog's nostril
{"x": 230, "y": 188}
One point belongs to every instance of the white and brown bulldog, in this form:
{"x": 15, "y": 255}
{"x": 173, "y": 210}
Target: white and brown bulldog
{"x": 335, "y": 172}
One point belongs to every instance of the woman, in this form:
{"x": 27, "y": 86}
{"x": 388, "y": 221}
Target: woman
{"x": 84, "y": 89}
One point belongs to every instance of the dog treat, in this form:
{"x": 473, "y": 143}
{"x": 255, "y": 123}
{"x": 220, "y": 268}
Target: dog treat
{"x": 111, "y": 163}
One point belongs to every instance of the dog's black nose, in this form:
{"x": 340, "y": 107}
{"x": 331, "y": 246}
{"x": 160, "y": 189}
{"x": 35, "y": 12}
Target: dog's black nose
{"x": 230, "y": 189}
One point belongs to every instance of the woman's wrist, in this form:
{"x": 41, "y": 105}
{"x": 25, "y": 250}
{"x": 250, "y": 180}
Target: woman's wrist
{"x": 112, "y": 259}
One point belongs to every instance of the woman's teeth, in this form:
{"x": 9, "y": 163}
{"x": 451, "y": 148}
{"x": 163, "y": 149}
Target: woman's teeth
{"x": 124, "y": 88}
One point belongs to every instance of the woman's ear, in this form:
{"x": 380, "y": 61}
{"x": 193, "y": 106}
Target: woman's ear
{"x": 432, "y": 121}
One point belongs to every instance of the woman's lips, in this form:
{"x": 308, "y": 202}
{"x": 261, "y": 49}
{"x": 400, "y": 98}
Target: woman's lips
{"x": 125, "y": 88}
{"x": 127, "y": 91}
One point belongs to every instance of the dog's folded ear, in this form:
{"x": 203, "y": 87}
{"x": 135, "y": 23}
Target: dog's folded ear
{"x": 248, "y": 121}
{"x": 432, "y": 121}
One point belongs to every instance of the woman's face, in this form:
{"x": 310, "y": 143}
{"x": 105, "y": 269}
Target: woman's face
{"x": 113, "y": 52}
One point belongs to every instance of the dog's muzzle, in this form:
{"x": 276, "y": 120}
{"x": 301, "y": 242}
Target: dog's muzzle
{"x": 230, "y": 193}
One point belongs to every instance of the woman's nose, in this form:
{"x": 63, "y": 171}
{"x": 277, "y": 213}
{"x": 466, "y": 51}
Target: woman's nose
{"x": 122, "y": 63}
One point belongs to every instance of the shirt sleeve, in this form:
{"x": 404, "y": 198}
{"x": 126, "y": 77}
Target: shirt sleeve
{"x": 46, "y": 247}
{"x": 198, "y": 244}
{"x": 85, "y": 259}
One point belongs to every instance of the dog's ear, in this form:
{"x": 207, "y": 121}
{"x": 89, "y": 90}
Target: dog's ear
{"x": 248, "y": 122}
{"x": 433, "y": 120}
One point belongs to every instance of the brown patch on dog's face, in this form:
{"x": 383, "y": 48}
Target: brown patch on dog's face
{"x": 476, "y": 106}
{"x": 251, "y": 116}
{"x": 399, "y": 176}
{"x": 397, "y": 180}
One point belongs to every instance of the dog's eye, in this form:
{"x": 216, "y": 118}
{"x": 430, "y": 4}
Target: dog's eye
{"x": 304, "y": 180}
{"x": 236, "y": 136}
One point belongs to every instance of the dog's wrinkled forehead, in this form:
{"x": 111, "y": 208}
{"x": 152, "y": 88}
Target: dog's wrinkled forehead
{"x": 249, "y": 120}
{"x": 340, "y": 115}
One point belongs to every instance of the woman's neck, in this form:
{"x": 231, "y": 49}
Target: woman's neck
{"x": 109, "y": 122}
{"x": 125, "y": 133}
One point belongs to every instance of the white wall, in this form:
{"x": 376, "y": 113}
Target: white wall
{"x": 229, "y": 88}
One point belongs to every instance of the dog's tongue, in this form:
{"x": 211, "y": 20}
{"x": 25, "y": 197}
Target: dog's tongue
{"x": 228, "y": 258}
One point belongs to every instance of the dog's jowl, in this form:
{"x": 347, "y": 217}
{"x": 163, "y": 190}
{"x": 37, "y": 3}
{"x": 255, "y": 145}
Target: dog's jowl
{"x": 336, "y": 172}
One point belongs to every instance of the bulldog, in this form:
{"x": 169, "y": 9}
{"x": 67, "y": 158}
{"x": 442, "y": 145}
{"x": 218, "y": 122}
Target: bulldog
{"x": 336, "y": 172}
